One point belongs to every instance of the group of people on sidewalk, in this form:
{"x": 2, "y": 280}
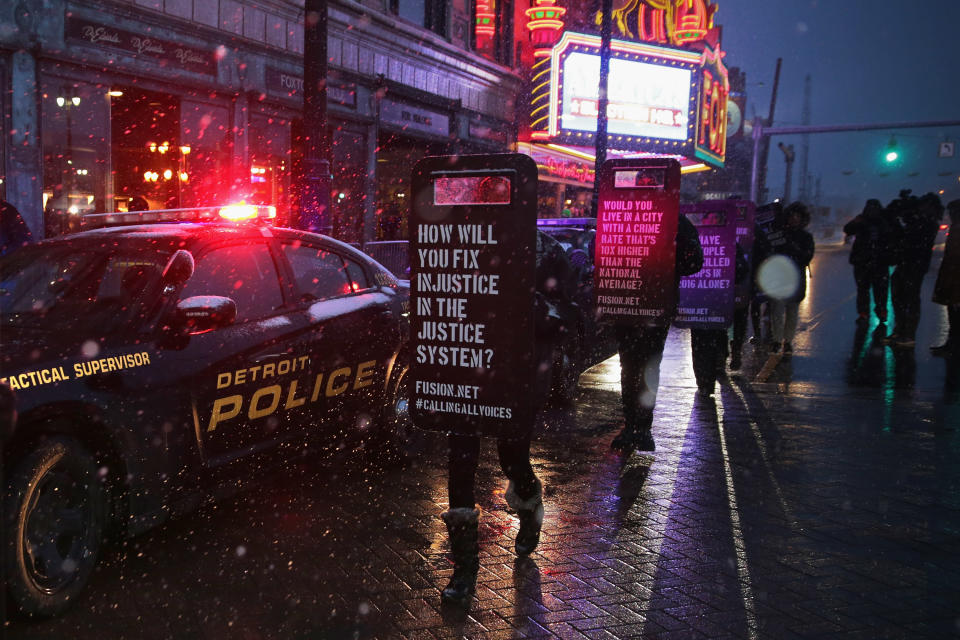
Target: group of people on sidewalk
{"x": 900, "y": 237}
{"x": 640, "y": 347}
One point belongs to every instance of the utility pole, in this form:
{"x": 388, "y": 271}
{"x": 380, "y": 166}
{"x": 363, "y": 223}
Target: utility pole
{"x": 788, "y": 156}
{"x": 805, "y": 143}
{"x": 606, "y": 29}
{"x": 316, "y": 178}
{"x": 761, "y": 134}
{"x": 765, "y": 150}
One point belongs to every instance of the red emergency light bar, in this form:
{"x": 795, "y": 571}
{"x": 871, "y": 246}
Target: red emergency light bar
{"x": 231, "y": 213}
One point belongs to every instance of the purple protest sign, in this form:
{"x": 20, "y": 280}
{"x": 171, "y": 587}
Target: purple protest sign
{"x": 705, "y": 299}
{"x": 746, "y": 210}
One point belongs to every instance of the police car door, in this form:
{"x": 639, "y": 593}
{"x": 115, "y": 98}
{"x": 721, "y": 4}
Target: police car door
{"x": 241, "y": 372}
{"x": 353, "y": 336}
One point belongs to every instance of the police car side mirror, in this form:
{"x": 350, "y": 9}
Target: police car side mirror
{"x": 200, "y": 314}
{"x": 178, "y": 270}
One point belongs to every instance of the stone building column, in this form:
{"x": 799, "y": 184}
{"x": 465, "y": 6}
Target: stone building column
{"x": 25, "y": 167}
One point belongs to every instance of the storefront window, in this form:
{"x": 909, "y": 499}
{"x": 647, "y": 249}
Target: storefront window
{"x": 493, "y": 30}
{"x": 395, "y": 160}
{"x": 5, "y": 122}
{"x": 76, "y": 154}
{"x": 431, "y": 14}
{"x": 204, "y": 130}
{"x": 348, "y": 157}
{"x": 270, "y": 163}
{"x": 147, "y": 157}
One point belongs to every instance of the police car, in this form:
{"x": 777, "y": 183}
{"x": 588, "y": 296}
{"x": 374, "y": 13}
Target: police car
{"x": 597, "y": 342}
{"x": 153, "y": 358}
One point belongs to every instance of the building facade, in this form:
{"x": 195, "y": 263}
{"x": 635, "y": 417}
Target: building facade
{"x": 112, "y": 105}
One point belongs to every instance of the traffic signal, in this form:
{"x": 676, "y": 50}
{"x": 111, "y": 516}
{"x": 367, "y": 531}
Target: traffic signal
{"x": 892, "y": 153}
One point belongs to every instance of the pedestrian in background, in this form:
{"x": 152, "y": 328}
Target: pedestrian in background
{"x": 797, "y": 245}
{"x": 920, "y": 221}
{"x": 871, "y": 239}
{"x": 741, "y": 314}
{"x": 641, "y": 350}
{"x": 14, "y": 232}
{"x": 709, "y": 346}
{"x": 947, "y": 289}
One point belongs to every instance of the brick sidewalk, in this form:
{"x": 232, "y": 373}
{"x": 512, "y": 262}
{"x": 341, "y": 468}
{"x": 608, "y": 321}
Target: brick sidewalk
{"x": 760, "y": 516}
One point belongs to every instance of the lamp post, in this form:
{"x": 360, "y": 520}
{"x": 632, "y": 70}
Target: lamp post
{"x": 316, "y": 178}
{"x": 182, "y": 174}
{"x": 68, "y": 101}
{"x": 606, "y": 34}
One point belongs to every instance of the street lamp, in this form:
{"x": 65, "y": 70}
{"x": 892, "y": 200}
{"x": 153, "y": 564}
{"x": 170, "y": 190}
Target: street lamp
{"x": 68, "y": 101}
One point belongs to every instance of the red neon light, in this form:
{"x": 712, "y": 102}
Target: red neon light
{"x": 691, "y": 21}
{"x": 651, "y": 24}
{"x": 486, "y": 19}
{"x": 664, "y": 21}
{"x": 545, "y": 22}
{"x": 712, "y": 119}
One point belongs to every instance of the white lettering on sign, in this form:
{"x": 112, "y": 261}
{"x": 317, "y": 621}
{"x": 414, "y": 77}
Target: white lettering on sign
{"x": 406, "y": 116}
{"x": 100, "y": 34}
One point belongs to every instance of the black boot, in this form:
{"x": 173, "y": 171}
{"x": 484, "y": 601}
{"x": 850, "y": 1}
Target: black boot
{"x": 633, "y": 438}
{"x": 530, "y": 512}
{"x": 636, "y": 435}
{"x": 462, "y": 526}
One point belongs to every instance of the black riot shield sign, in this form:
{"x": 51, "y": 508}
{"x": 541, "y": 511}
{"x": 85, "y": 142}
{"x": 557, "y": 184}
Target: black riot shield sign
{"x": 472, "y": 263}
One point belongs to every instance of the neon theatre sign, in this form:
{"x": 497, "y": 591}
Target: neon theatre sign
{"x": 667, "y": 87}
{"x": 671, "y": 22}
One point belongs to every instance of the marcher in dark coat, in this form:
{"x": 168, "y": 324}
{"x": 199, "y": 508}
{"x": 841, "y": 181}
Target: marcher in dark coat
{"x": 14, "y": 232}
{"x": 524, "y": 492}
{"x": 871, "y": 233}
{"x": 796, "y": 244}
{"x": 947, "y": 289}
{"x": 641, "y": 350}
{"x": 709, "y": 346}
{"x": 920, "y": 219}
{"x": 741, "y": 314}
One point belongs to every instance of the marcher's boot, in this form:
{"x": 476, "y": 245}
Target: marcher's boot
{"x": 530, "y": 512}
{"x": 462, "y": 526}
{"x": 943, "y": 349}
{"x": 636, "y": 435}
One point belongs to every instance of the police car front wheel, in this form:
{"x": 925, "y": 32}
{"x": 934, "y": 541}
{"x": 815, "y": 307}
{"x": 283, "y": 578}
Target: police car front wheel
{"x": 54, "y": 516}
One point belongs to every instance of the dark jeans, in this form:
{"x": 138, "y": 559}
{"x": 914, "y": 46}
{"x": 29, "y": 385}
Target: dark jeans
{"x": 760, "y": 316}
{"x": 641, "y": 350}
{"x": 875, "y": 278}
{"x": 740, "y": 318}
{"x": 709, "y": 353}
{"x": 905, "y": 286}
{"x": 465, "y": 456}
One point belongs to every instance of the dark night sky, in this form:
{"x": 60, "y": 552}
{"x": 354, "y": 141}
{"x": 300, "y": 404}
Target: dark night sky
{"x": 870, "y": 62}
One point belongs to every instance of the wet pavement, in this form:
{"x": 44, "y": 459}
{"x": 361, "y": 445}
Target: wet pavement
{"x": 818, "y": 496}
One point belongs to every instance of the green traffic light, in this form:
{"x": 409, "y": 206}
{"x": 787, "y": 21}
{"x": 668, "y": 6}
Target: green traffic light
{"x": 892, "y": 156}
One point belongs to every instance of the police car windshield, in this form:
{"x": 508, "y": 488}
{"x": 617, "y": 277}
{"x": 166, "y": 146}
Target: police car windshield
{"x": 85, "y": 286}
